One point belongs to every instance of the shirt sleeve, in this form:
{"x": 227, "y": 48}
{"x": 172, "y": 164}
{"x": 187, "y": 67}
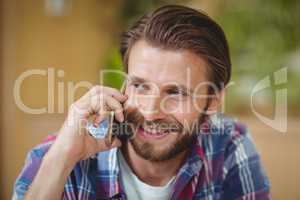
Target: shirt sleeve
{"x": 30, "y": 169}
{"x": 244, "y": 176}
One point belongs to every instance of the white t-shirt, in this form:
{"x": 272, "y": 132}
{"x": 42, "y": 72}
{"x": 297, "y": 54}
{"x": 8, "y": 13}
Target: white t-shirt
{"x": 135, "y": 189}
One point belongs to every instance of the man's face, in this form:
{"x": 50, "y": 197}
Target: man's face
{"x": 164, "y": 89}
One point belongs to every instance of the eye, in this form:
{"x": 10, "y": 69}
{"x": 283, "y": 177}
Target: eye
{"x": 140, "y": 86}
{"x": 177, "y": 92}
{"x": 136, "y": 85}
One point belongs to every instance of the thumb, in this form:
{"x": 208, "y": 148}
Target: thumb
{"x": 116, "y": 143}
{"x": 103, "y": 144}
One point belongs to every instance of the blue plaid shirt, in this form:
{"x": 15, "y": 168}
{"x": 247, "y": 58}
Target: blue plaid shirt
{"x": 222, "y": 164}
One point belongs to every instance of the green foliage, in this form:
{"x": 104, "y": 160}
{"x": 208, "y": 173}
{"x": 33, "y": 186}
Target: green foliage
{"x": 263, "y": 37}
{"x": 114, "y": 64}
{"x": 129, "y": 12}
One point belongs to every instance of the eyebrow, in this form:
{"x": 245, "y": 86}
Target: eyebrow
{"x": 133, "y": 78}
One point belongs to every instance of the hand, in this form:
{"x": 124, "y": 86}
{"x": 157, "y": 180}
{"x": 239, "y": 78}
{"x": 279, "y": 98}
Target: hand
{"x": 73, "y": 138}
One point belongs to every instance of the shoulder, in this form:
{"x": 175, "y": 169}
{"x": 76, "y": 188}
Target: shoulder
{"x": 31, "y": 166}
{"x": 230, "y": 142}
{"x": 223, "y": 134}
{"x": 102, "y": 167}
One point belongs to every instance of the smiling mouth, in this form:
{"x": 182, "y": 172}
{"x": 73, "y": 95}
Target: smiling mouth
{"x": 155, "y": 131}
{"x": 152, "y": 133}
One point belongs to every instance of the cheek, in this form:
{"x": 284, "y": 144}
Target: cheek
{"x": 171, "y": 105}
{"x": 187, "y": 109}
{"x": 131, "y": 101}
{"x": 187, "y": 119}
{"x": 139, "y": 101}
{"x": 200, "y": 106}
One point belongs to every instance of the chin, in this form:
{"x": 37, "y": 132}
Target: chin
{"x": 159, "y": 151}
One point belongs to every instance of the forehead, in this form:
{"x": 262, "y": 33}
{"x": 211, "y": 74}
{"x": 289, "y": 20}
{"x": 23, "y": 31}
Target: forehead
{"x": 163, "y": 66}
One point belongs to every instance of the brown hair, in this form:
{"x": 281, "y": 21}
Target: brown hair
{"x": 177, "y": 27}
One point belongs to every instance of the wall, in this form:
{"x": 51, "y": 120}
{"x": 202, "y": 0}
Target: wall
{"x": 75, "y": 43}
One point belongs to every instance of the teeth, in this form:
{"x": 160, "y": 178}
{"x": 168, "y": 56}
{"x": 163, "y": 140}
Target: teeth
{"x": 154, "y": 131}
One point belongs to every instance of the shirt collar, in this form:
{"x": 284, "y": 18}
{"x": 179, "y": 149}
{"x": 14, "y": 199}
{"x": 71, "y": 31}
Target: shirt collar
{"x": 189, "y": 169}
{"x": 108, "y": 180}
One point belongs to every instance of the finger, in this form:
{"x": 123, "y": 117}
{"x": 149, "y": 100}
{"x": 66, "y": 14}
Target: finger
{"x": 97, "y": 105}
{"x": 115, "y": 93}
{"x": 98, "y": 89}
{"x": 115, "y": 106}
{"x": 100, "y": 104}
{"x": 116, "y": 143}
{"x": 95, "y": 92}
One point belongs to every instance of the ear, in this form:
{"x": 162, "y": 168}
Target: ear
{"x": 215, "y": 103}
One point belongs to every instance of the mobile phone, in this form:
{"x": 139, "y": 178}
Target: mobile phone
{"x": 121, "y": 130}
{"x": 110, "y": 128}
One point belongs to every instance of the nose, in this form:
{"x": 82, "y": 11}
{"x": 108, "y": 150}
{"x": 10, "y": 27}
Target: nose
{"x": 151, "y": 108}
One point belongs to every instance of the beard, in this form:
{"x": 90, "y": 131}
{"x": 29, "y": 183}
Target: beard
{"x": 186, "y": 135}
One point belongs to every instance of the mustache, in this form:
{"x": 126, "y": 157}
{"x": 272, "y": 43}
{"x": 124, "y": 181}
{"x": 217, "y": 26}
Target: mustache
{"x": 137, "y": 120}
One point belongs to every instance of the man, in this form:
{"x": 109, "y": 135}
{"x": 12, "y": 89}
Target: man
{"x": 178, "y": 66}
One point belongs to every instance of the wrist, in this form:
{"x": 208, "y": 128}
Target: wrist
{"x": 60, "y": 158}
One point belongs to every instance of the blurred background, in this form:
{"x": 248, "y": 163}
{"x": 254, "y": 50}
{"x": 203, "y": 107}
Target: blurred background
{"x": 70, "y": 41}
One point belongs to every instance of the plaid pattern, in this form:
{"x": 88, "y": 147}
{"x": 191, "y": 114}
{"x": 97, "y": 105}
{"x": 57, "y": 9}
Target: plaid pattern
{"x": 222, "y": 164}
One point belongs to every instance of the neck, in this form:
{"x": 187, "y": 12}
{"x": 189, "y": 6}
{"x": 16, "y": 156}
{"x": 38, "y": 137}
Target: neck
{"x": 152, "y": 173}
